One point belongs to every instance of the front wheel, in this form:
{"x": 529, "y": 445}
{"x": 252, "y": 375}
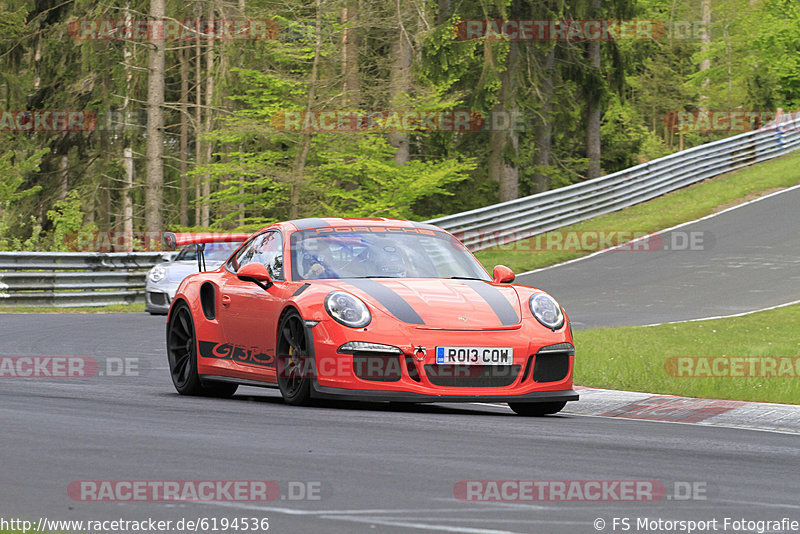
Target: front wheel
{"x": 537, "y": 409}
{"x": 182, "y": 357}
{"x": 294, "y": 358}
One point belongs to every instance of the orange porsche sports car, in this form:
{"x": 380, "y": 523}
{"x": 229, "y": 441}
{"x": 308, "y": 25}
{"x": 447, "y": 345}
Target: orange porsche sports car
{"x": 367, "y": 309}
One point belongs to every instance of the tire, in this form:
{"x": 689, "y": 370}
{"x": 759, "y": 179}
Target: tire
{"x": 293, "y": 359}
{"x": 537, "y": 409}
{"x": 182, "y": 358}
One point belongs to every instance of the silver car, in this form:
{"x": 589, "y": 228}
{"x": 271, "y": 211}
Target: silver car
{"x": 163, "y": 279}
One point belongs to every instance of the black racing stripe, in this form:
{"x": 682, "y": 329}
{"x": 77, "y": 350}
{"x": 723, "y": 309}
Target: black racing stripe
{"x": 312, "y": 222}
{"x": 494, "y": 298}
{"x": 390, "y": 300}
{"x": 300, "y": 289}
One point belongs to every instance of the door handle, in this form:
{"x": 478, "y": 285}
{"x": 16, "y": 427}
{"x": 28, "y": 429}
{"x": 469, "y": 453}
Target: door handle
{"x": 226, "y": 301}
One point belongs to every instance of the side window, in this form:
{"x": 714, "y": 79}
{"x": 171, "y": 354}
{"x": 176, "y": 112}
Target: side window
{"x": 236, "y": 261}
{"x": 267, "y": 249}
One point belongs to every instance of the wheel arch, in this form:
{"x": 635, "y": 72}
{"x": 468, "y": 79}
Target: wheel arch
{"x": 174, "y": 306}
{"x": 289, "y": 308}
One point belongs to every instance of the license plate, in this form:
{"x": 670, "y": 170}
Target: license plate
{"x": 475, "y": 355}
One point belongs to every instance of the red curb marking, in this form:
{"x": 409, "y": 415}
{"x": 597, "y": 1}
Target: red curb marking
{"x": 680, "y": 409}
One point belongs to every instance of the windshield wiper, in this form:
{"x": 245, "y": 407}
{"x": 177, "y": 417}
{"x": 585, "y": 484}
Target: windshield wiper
{"x": 466, "y": 278}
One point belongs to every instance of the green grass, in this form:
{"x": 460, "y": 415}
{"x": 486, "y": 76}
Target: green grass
{"x": 114, "y": 308}
{"x": 634, "y": 358}
{"x": 679, "y": 206}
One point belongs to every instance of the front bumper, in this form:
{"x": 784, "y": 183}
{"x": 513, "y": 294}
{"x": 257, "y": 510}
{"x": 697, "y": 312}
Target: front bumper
{"x": 159, "y": 295}
{"x": 541, "y": 370}
{"x": 157, "y": 302}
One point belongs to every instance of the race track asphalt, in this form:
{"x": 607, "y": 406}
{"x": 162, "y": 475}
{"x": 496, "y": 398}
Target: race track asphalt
{"x": 381, "y": 468}
{"x": 742, "y": 260}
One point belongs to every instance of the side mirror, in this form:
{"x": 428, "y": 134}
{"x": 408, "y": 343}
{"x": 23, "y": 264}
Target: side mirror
{"x": 255, "y": 272}
{"x": 502, "y": 274}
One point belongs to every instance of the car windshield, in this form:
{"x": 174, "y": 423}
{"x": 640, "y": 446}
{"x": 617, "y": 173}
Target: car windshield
{"x": 214, "y": 252}
{"x": 380, "y": 252}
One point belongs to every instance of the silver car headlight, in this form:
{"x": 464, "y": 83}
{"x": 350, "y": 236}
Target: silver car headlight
{"x": 546, "y": 310}
{"x": 157, "y": 274}
{"x": 347, "y": 309}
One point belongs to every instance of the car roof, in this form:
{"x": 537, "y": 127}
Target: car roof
{"x": 322, "y": 222}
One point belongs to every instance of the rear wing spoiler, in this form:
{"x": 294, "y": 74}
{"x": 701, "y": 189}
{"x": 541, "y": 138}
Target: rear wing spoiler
{"x": 175, "y": 240}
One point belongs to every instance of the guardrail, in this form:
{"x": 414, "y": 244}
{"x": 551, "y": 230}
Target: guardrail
{"x": 73, "y": 279}
{"x": 525, "y": 217}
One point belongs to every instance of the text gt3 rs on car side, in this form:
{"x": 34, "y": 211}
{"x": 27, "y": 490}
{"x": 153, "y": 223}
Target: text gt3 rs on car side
{"x": 368, "y": 309}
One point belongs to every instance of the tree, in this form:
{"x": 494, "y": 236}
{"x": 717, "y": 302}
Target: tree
{"x": 155, "y": 124}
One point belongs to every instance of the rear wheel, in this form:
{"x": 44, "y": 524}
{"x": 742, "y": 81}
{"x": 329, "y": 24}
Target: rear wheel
{"x": 294, "y": 376}
{"x": 182, "y": 357}
{"x": 537, "y": 409}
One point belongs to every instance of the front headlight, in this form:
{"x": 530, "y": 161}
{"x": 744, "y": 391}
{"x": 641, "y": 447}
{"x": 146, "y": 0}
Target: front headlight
{"x": 157, "y": 274}
{"x": 347, "y": 309}
{"x": 546, "y": 310}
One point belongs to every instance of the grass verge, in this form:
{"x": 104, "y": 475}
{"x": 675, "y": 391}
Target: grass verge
{"x": 114, "y": 308}
{"x": 674, "y": 208}
{"x": 644, "y": 358}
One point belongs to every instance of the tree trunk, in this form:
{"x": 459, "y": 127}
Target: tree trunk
{"x": 544, "y": 128}
{"x": 241, "y": 207}
{"x": 37, "y": 58}
{"x": 63, "y": 172}
{"x": 400, "y": 86}
{"x": 127, "y": 150}
{"x": 205, "y": 213}
{"x": 155, "y": 126}
{"x": 299, "y": 167}
{"x": 184, "y": 138}
{"x": 127, "y": 203}
{"x": 705, "y": 43}
{"x": 198, "y": 119}
{"x": 443, "y": 11}
{"x": 593, "y": 150}
{"x": 503, "y": 139}
{"x": 351, "y": 84}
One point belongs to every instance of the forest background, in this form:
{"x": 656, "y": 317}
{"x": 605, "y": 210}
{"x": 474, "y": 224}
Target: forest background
{"x": 103, "y": 129}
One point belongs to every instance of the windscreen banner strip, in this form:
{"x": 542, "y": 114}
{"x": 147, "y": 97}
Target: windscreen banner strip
{"x": 312, "y": 222}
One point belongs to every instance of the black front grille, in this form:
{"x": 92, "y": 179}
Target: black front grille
{"x": 411, "y": 367}
{"x": 158, "y": 299}
{"x": 377, "y": 367}
{"x": 551, "y": 363}
{"x": 472, "y": 376}
{"x": 527, "y": 369}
